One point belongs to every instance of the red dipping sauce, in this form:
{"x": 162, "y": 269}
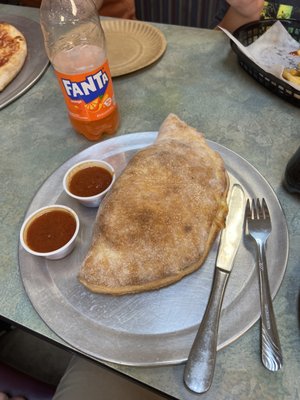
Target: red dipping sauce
{"x": 89, "y": 181}
{"x": 50, "y": 230}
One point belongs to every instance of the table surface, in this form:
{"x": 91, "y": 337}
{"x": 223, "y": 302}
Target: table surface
{"x": 199, "y": 79}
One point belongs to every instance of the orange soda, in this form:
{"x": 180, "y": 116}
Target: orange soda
{"x": 75, "y": 45}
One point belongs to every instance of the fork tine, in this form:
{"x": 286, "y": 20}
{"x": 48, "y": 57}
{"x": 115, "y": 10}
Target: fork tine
{"x": 259, "y": 210}
{"x": 248, "y": 212}
{"x": 265, "y": 208}
{"x": 254, "y": 210}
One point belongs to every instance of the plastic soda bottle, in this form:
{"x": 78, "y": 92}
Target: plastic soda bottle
{"x": 75, "y": 44}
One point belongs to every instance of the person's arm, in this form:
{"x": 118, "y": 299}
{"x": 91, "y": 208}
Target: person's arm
{"x": 241, "y": 12}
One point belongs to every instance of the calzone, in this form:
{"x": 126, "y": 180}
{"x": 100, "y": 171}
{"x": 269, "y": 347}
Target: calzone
{"x": 160, "y": 219}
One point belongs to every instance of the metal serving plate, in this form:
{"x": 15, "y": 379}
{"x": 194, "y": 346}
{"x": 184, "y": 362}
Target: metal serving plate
{"x": 158, "y": 327}
{"x": 36, "y": 61}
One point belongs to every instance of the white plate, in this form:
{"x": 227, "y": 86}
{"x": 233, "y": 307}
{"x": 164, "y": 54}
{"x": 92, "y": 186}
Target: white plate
{"x": 158, "y": 327}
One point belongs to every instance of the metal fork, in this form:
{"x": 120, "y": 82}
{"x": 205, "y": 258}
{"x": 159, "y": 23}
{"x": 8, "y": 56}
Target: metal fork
{"x": 258, "y": 223}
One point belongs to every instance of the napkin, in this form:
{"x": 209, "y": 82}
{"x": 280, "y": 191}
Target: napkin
{"x": 271, "y": 51}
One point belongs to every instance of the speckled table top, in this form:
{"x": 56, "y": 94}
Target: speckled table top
{"x": 199, "y": 79}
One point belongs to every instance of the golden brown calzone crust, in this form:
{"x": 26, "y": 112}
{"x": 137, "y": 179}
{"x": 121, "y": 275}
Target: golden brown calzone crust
{"x": 162, "y": 216}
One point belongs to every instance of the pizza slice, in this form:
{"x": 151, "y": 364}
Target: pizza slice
{"x": 13, "y": 52}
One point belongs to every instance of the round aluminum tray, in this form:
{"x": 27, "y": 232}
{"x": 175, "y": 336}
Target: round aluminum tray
{"x": 36, "y": 61}
{"x": 158, "y": 327}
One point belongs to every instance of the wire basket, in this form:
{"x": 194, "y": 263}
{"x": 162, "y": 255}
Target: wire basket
{"x": 247, "y": 34}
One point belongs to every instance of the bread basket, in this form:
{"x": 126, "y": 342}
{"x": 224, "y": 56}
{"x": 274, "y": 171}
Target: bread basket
{"x": 247, "y": 34}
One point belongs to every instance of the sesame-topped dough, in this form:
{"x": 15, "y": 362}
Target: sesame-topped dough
{"x": 161, "y": 217}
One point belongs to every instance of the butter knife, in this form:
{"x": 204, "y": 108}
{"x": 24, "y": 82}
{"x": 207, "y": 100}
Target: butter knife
{"x": 199, "y": 369}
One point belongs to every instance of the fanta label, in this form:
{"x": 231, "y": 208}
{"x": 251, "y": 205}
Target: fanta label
{"x": 88, "y": 96}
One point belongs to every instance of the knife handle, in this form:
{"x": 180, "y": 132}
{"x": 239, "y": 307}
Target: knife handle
{"x": 199, "y": 369}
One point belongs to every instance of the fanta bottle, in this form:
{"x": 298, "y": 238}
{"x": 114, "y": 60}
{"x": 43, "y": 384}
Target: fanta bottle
{"x": 75, "y": 44}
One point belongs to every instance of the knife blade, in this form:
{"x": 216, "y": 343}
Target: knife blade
{"x": 199, "y": 369}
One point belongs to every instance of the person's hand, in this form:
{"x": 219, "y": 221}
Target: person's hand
{"x": 241, "y": 12}
{"x": 247, "y": 8}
